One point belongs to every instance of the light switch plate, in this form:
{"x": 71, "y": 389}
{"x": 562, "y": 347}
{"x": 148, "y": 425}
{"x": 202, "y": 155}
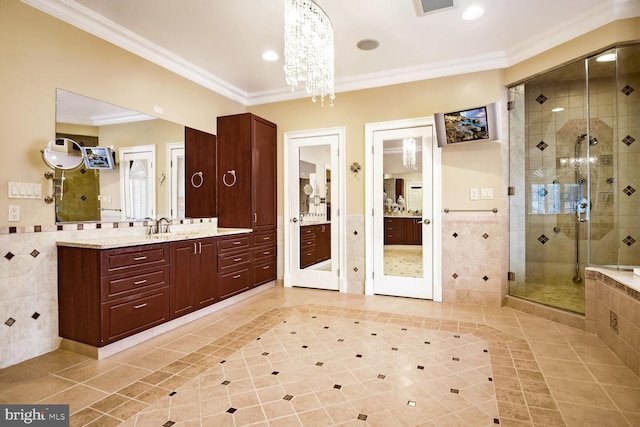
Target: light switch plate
{"x": 473, "y": 194}
{"x": 486, "y": 193}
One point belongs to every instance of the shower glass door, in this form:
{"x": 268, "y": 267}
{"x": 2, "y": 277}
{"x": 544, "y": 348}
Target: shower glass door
{"x": 573, "y": 172}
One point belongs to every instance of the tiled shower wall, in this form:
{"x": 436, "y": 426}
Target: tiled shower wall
{"x": 550, "y": 246}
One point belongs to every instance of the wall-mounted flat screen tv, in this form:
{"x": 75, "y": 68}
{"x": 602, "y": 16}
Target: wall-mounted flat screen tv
{"x": 98, "y": 157}
{"x": 472, "y": 124}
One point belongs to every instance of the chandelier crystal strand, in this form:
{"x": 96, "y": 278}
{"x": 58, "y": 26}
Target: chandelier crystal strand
{"x": 308, "y": 49}
{"x": 409, "y": 153}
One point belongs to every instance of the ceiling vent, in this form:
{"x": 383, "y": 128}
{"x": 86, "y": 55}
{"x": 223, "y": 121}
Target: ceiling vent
{"x": 425, "y": 7}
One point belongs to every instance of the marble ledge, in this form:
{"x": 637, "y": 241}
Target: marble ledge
{"x": 625, "y": 278}
{"x": 113, "y": 242}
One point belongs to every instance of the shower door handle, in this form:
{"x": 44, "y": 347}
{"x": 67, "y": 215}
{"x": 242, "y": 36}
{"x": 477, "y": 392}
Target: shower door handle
{"x": 581, "y": 210}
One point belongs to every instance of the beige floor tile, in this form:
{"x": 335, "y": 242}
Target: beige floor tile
{"x": 580, "y": 392}
{"x": 117, "y": 378}
{"x": 564, "y": 369}
{"x": 77, "y": 397}
{"x": 538, "y": 369}
{"x": 576, "y": 415}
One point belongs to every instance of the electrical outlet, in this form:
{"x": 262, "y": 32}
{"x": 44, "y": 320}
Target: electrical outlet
{"x": 14, "y": 213}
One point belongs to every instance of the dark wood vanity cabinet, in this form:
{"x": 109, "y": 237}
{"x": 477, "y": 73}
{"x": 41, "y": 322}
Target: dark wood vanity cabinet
{"x": 193, "y": 275}
{"x": 246, "y": 172}
{"x": 107, "y": 295}
{"x": 200, "y": 174}
{"x": 315, "y": 244}
{"x": 264, "y": 254}
{"x": 402, "y": 231}
{"x": 234, "y": 265}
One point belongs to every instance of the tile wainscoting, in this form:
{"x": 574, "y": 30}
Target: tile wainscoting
{"x": 474, "y": 258}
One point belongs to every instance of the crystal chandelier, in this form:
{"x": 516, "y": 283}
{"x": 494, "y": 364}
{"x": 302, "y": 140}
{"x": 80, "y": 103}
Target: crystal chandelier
{"x": 409, "y": 153}
{"x": 308, "y": 48}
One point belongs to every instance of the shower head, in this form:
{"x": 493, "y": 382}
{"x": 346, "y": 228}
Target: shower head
{"x": 592, "y": 140}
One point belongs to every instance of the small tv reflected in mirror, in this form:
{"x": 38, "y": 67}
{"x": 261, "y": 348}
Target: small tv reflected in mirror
{"x": 98, "y": 157}
{"x": 472, "y": 124}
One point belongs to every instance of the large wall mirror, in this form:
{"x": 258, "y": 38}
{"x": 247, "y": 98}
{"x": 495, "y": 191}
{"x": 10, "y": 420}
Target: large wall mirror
{"x": 147, "y": 180}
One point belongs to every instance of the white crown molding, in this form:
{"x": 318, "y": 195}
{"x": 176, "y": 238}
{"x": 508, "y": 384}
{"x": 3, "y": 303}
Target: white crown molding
{"x": 84, "y": 18}
{"x": 104, "y": 119}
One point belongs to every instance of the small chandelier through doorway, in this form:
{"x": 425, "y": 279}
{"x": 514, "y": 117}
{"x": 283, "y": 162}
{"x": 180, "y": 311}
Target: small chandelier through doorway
{"x": 308, "y": 48}
{"x": 409, "y": 153}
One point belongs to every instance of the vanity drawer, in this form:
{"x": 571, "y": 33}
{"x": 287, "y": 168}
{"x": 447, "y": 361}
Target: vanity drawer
{"x": 264, "y": 273}
{"x": 226, "y": 244}
{"x": 136, "y": 257}
{"x": 307, "y": 257}
{"x": 233, "y": 283}
{"x": 266, "y": 252}
{"x": 307, "y": 242}
{"x": 123, "y": 284}
{"x": 264, "y": 238}
{"x": 307, "y": 230}
{"x": 131, "y": 315}
{"x": 236, "y": 259}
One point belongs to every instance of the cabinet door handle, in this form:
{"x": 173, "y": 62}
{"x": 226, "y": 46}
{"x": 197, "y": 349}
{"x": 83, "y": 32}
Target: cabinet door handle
{"x": 199, "y": 247}
{"x": 255, "y": 217}
{"x": 237, "y": 259}
{"x": 140, "y": 258}
{"x": 140, "y": 282}
{"x": 195, "y": 248}
{"x": 140, "y": 306}
{"x": 237, "y": 276}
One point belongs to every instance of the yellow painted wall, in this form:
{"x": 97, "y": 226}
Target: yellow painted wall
{"x": 40, "y": 53}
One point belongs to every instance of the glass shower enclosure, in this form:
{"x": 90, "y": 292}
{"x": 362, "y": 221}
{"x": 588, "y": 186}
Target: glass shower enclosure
{"x": 574, "y": 176}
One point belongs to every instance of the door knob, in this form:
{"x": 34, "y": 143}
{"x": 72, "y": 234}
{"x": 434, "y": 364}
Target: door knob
{"x": 427, "y": 221}
{"x": 294, "y": 219}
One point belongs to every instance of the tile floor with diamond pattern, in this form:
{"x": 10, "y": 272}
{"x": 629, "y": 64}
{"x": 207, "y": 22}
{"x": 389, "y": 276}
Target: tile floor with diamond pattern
{"x": 304, "y": 357}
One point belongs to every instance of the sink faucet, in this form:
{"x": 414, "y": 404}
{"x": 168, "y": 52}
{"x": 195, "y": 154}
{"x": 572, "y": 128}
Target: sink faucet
{"x": 159, "y": 222}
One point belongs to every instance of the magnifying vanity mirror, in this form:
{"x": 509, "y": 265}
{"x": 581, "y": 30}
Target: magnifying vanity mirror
{"x": 139, "y": 182}
{"x": 63, "y": 153}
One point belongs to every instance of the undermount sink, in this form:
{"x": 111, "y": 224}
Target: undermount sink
{"x": 177, "y": 235}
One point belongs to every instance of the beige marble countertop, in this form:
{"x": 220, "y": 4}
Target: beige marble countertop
{"x": 627, "y": 278}
{"x": 112, "y": 242}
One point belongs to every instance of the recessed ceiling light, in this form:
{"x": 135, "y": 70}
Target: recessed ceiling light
{"x": 368, "y": 44}
{"x": 557, "y": 109}
{"x": 473, "y": 12}
{"x": 606, "y": 57}
{"x": 270, "y": 55}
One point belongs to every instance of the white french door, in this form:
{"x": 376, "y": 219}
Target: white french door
{"x": 402, "y": 249}
{"x": 312, "y": 201}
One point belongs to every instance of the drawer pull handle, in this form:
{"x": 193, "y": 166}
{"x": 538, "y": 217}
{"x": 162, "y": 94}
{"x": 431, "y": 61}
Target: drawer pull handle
{"x": 237, "y": 276}
{"x": 266, "y": 238}
{"x": 237, "y": 243}
{"x": 140, "y": 258}
{"x": 140, "y": 306}
{"x": 266, "y": 253}
{"x": 237, "y": 259}
{"x": 140, "y": 282}
{"x": 266, "y": 267}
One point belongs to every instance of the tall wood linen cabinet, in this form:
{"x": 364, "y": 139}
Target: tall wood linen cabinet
{"x": 247, "y": 173}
